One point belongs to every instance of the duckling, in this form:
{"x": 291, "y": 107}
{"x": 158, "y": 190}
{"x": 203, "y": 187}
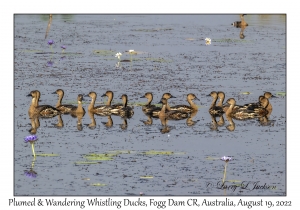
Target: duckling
{"x": 99, "y": 110}
{"x": 155, "y": 111}
{"x": 213, "y": 109}
{"x": 75, "y": 111}
{"x": 241, "y": 23}
{"x": 63, "y": 108}
{"x": 110, "y": 96}
{"x": 148, "y": 106}
{"x": 184, "y": 108}
{"x": 42, "y": 110}
{"x": 125, "y": 111}
{"x": 170, "y": 115}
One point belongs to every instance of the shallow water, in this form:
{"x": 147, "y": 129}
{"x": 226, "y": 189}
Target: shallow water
{"x": 172, "y": 58}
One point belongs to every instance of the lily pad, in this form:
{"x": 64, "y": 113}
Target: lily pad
{"x": 86, "y": 163}
{"x": 48, "y": 155}
{"x": 116, "y": 152}
{"x": 146, "y": 177}
{"x": 153, "y": 152}
{"x": 281, "y": 93}
{"x": 98, "y": 184}
{"x": 104, "y": 52}
{"x": 245, "y": 93}
{"x": 98, "y": 158}
{"x": 159, "y": 60}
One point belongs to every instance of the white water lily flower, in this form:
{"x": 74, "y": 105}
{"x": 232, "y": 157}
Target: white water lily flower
{"x": 118, "y": 55}
{"x": 130, "y": 51}
{"x": 224, "y": 158}
{"x": 207, "y": 41}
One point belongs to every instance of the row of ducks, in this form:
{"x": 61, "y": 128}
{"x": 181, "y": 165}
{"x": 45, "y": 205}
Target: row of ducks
{"x": 178, "y": 112}
{"x": 251, "y": 110}
{"x": 48, "y": 111}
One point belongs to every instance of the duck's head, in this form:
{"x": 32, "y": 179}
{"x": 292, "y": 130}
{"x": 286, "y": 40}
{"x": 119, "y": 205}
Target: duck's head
{"x": 192, "y": 96}
{"x": 213, "y": 94}
{"x": 58, "y": 92}
{"x": 147, "y": 95}
{"x": 221, "y": 95}
{"x": 108, "y": 94}
{"x": 167, "y": 96}
{"x": 231, "y": 101}
{"x": 269, "y": 95}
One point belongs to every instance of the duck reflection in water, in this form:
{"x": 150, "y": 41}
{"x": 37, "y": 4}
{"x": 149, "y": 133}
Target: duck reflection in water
{"x": 35, "y": 123}
{"x": 109, "y": 122}
{"x": 60, "y": 122}
{"x": 214, "y": 123}
{"x": 78, "y": 112}
{"x": 189, "y": 120}
{"x": 92, "y": 125}
{"x": 241, "y": 24}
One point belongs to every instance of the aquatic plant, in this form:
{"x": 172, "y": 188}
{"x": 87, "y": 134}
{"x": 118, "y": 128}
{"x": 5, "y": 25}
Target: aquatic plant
{"x": 207, "y": 41}
{"x": 31, "y": 139}
{"x": 50, "y": 63}
{"x": 63, "y": 47}
{"x": 226, "y": 159}
{"x": 118, "y": 55}
{"x": 50, "y": 42}
{"x": 30, "y": 174}
{"x": 131, "y": 52}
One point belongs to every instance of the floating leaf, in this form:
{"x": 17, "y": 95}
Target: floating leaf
{"x": 48, "y": 155}
{"x": 190, "y": 39}
{"x": 146, "y": 177}
{"x": 98, "y": 184}
{"x": 86, "y": 163}
{"x": 245, "y": 93}
{"x": 86, "y": 179}
{"x": 153, "y": 152}
{"x": 99, "y": 155}
{"x": 281, "y": 93}
{"x": 104, "y": 52}
{"x": 98, "y": 158}
{"x": 159, "y": 60}
{"x": 116, "y": 152}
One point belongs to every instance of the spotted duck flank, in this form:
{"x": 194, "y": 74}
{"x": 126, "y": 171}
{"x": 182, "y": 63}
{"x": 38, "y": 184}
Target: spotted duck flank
{"x": 148, "y": 106}
{"x": 125, "y": 111}
{"x": 155, "y": 111}
{"x": 241, "y": 23}
{"x": 213, "y": 109}
{"x": 41, "y": 110}
{"x": 170, "y": 115}
{"x": 184, "y": 108}
{"x": 99, "y": 110}
{"x": 246, "y": 113}
{"x": 63, "y": 108}
{"x": 110, "y": 96}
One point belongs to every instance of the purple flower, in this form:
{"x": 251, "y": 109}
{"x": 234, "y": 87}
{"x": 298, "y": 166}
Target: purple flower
{"x": 30, "y": 138}
{"x": 50, "y": 42}
{"x": 226, "y": 159}
{"x": 30, "y": 174}
{"x": 63, "y": 47}
{"x": 50, "y": 63}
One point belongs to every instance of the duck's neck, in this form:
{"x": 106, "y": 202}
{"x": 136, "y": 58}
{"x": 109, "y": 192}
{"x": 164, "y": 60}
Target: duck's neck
{"x": 213, "y": 103}
{"x": 229, "y": 110}
{"x": 162, "y": 112}
{"x": 149, "y": 101}
{"x": 124, "y": 103}
{"x": 192, "y": 104}
{"x": 109, "y": 99}
{"x": 59, "y": 100}
{"x": 220, "y": 103}
{"x": 80, "y": 108}
{"x": 91, "y": 106}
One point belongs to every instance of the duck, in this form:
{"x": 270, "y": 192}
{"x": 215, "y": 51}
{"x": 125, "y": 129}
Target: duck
{"x": 266, "y": 95}
{"x": 241, "y": 23}
{"x": 170, "y": 115}
{"x": 184, "y": 108}
{"x": 99, "y": 110}
{"x": 213, "y": 109}
{"x": 148, "y": 106}
{"x": 246, "y": 113}
{"x": 110, "y": 96}
{"x": 269, "y": 95}
{"x": 125, "y": 111}
{"x": 221, "y": 96}
{"x": 41, "y": 110}
{"x": 63, "y": 108}
{"x": 155, "y": 111}
{"x": 76, "y": 111}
